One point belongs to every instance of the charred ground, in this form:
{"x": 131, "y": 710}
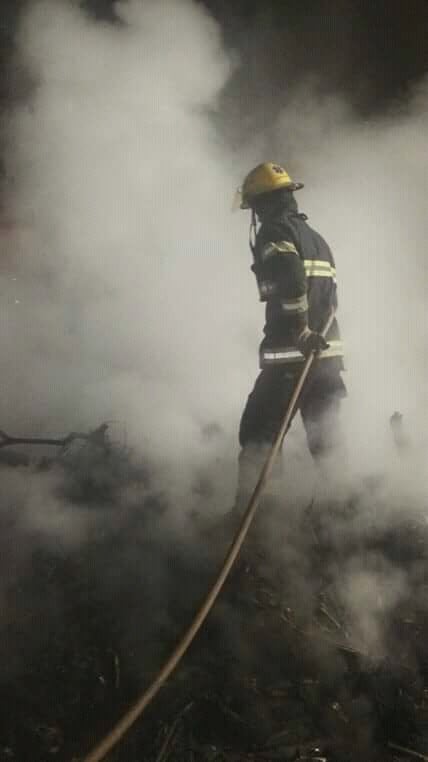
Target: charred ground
{"x": 275, "y": 674}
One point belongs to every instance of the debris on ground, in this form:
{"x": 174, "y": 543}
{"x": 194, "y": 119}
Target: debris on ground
{"x": 270, "y": 677}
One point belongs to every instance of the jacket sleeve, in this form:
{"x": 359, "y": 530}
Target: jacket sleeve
{"x": 288, "y": 273}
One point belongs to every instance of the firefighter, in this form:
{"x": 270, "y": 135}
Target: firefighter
{"x": 296, "y": 279}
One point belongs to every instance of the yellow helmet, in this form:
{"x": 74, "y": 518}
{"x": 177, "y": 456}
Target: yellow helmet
{"x": 265, "y": 178}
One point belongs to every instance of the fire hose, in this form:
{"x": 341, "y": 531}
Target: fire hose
{"x": 135, "y": 711}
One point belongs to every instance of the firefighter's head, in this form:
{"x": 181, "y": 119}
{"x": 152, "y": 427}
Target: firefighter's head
{"x": 266, "y": 187}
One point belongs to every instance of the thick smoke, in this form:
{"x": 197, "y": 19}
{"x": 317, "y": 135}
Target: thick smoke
{"x": 365, "y": 188}
{"x": 132, "y": 296}
{"x": 133, "y": 300}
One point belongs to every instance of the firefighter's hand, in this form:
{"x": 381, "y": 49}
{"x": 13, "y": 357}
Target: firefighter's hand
{"x": 310, "y": 341}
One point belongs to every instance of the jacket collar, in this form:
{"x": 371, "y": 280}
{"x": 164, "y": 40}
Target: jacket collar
{"x": 282, "y": 215}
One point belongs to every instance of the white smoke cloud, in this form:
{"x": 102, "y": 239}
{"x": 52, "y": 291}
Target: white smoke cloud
{"x": 134, "y": 302}
{"x": 369, "y": 595}
{"x": 135, "y": 298}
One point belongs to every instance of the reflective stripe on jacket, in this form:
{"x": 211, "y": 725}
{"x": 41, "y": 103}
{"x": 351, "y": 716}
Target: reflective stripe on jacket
{"x": 292, "y": 355}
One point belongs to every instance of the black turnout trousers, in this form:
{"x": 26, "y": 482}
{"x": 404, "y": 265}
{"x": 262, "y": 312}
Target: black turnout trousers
{"x": 319, "y": 405}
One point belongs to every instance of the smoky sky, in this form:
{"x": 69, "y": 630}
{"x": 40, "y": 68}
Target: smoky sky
{"x": 372, "y": 51}
{"x": 380, "y": 46}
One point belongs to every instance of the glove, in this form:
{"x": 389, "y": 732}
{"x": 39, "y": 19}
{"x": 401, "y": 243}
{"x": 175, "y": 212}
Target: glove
{"x": 310, "y": 341}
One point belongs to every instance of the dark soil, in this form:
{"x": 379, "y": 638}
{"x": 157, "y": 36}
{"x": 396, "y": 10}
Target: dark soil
{"x": 85, "y": 628}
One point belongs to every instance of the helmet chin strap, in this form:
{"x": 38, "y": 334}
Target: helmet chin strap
{"x": 253, "y": 231}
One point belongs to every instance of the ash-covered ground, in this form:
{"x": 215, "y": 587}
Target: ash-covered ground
{"x": 316, "y": 648}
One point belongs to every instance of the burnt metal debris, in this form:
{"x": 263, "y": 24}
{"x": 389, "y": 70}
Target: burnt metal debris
{"x": 97, "y": 437}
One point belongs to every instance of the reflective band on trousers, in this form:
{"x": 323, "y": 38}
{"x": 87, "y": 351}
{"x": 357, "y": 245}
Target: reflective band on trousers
{"x": 292, "y": 354}
{"x": 294, "y": 306}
